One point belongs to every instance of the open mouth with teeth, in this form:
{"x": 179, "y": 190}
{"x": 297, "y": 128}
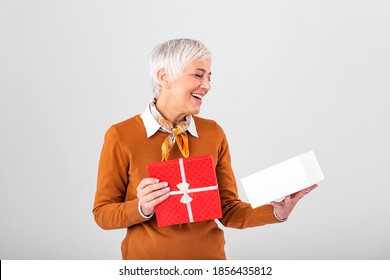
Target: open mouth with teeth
{"x": 197, "y": 96}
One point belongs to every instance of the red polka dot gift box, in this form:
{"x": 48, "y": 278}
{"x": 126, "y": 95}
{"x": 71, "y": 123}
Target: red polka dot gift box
{"x": 194, "y": 194}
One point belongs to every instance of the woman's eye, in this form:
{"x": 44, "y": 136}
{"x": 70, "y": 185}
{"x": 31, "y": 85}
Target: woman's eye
{"x": 199, "y": 76}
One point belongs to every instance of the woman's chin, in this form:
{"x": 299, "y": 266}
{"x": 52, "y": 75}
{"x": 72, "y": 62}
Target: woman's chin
{"x": 195, "y": 111}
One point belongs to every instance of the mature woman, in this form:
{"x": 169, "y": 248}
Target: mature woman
{"x": 180, "y": 72}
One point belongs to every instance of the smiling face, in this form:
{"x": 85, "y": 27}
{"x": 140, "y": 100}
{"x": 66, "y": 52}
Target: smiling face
{"x": 183, "y": 96}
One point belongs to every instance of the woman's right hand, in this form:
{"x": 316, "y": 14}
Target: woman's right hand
{"x": 150, "y": 192}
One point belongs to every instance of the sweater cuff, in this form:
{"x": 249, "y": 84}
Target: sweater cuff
{"x": 133, "y": 215}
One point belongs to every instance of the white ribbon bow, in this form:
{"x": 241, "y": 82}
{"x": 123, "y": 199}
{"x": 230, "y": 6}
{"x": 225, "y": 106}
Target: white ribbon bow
{"x": 183, "y": 186}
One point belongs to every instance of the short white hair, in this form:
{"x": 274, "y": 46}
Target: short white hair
{"x": 174, "y": 56}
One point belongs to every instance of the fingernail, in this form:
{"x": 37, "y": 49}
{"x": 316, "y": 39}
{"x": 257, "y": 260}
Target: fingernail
{"x": 156, "y": 180}
{"x": 165, "y": 184}
{"x": 167, "y": 189}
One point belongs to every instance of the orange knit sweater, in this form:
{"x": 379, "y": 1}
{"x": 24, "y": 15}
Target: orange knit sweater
{"x": 123, "y": 164}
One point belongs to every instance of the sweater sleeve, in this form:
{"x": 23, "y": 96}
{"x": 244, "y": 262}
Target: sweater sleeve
{"x": 236, "y": 213}
{"x": 110, "y": 209}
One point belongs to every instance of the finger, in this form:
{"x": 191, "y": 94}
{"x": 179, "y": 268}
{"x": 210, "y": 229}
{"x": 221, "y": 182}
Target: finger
{"x": 150, "y": 192}
{"x": 301, "y": 194}
{"x": 160, "y": 199}
{"x": 146, "y": 182}
{"x": 144, "y": 190}
{"x": 149, "y": 206}
{"x": 156, "y": 194}
{"x": 291, "y": 201}
{"x": 309, "y": 189}
{"x": 151, "y": 188}
{"x": 298, "y": 195}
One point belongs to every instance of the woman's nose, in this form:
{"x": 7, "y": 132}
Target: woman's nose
{"x": 206, "y": 84}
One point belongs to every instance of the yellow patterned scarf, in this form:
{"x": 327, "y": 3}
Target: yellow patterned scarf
{"x": 176, "y": 134}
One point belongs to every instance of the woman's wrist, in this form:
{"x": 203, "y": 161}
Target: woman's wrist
{"x": 277, "y": 217}
{"x": 142, "y": 214}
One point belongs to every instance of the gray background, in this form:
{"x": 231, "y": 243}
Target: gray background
{"x": 288, "y": 77}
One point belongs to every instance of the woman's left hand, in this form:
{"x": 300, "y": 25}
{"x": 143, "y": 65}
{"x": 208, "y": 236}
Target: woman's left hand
{"x": 285, "y": 207}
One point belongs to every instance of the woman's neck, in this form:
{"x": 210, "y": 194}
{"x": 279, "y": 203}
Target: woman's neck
{"x": 167, "y": 110}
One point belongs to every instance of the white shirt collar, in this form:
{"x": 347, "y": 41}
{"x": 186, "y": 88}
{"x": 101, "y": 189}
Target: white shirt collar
{"x": 152, "y": 126}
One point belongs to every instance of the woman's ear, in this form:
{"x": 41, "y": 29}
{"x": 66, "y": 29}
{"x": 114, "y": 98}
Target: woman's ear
{"x": 163, "y": 78}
